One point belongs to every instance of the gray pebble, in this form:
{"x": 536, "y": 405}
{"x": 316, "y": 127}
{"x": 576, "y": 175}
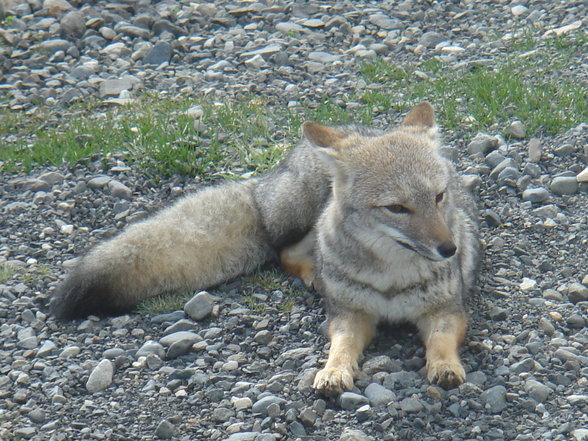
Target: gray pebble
{"x": 354, "y": 435}
{"x": 482, "y": 143}
{"x": 534, "y": 150}
{"x": 101, "y": 376}
{"x": 352, "y": 401}
{"x": 119, "y": 190}
{"x": 536, "y": 390}
{"x": 243, "y": 436}
{"x": 378, "y": 395}
{"x": 516, "y": 129}
{"x": 564, "y": 185}
{"x": 536, "y": 195}
{"x": 151, "y": 347}
{"x": 261, "y": 405}
{"x": 577, "y": 293}
{"x": 180, "y": 336}
{"x": 411, "y": 405}
{"x": 160, "y": 53}
{"x": 165, "y": 430}
{"x": 495, "y": 398}
{"x": 200, "y": 306}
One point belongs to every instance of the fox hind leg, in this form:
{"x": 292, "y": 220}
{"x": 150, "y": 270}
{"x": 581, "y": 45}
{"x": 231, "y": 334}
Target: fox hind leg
{"x": 349, "y": 334}
{"x": 442, "y": 336}
{"x": 298, "y": 259}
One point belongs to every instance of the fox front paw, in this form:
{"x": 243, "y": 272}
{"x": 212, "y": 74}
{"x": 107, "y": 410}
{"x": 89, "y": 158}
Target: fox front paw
{"x": 333, "y": 381}
{"x": 446, "y": 374}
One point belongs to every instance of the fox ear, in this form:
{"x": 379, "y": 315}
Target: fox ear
{"x": 322, "y": 136}
{"x": 422, "y": 115}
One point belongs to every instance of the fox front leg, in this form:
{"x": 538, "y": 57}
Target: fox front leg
{"x": 442, "y": 335}
{"x": 349, "y": 334}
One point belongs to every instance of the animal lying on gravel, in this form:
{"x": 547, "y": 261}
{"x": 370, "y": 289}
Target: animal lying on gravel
{"x": 378, "y": 221}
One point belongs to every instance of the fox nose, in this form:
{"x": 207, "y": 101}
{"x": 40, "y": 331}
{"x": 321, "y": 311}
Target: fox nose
{"x": 447, "y": 249}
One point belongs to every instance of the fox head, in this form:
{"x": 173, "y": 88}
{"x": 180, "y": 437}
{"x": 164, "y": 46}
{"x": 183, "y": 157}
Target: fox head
{"x": 393, "y": 187}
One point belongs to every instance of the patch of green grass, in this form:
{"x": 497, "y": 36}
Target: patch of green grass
{"x": 6, "y": 272}
{"x": 35, "y": 273}
{"x": 266, "y": 282}
{"x": 234, "y": 139}
{"x": 484, "y": 96}
{"x": 155, "y": 133}
{"x": 163, "y": 303}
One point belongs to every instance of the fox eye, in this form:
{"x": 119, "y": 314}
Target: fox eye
{"x": 439, "y": 197}
{"x": 397, "y": 209}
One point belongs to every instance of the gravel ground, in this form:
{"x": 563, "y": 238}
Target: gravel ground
{"x": 243, "y": 372}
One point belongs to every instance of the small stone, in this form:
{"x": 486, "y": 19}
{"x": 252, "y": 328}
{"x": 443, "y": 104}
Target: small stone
{"x": 536, "y": 195}
{"x": 289, "y": 27}
{"x": 222, "y": 414}
{"x": 165, "y": 430}
{"x": 495, "y": 398}
{"x": 411, "y": 405}
{"x": 160, "y": 53}
{"x": 187, "y": 336}
{"x": 47, "y": 348}
{"x": 576, "y": 321}
{"x": 257, "y": 62}
{"x": 52, "y": 178}
{"x": 25, "y": 432}
{"x": 195, "y": 112}
{"x": 525, "y": 365}
{"x": 385, "y": 22}
{"x": 101, "y": 376}
{"x": 37, "y": 416}
{"x": 323, "y": 57}
{"x": 73, "y": 25}
{"x": 563, "y": 185}
{"x": 519, "y": 10}
{"x": 308, "y": 417}
{"x": 200, "y": 306}
{"x": 536, "y": 390}
{"x": 115, "y": 86}
{"x": 527, "y": 284}
{"x": 577, "y": 292}
{"x": 263, "y": 337}
{"x": 516, "y": 130}
{"x": 546, "y": 326}
{"x": 56, "y": 7}
{"x": 55, "y": 45}
{"x": 268, "y": 50}
{"x": 378, "y": 395}
{"x": 431, "y": 39}
{"x": 534, "y": 150}
{"x": 242, "y": 403}
{"x": 261, "y": 405}
{"x": 482, "y": 143}
{"x": 354, "y": 435}
{"x": 243, "y": 436}
{"x": 352, "y": 401}
{"x": 582, "y": 176}
{"x": 151, "y": 347}
{"x": 498, "y": 314}
{"x": 380, "y": 363}
{"x": 119, "y": 190}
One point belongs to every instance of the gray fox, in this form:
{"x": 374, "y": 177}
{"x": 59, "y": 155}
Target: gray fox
{"x": 376, "y": 220}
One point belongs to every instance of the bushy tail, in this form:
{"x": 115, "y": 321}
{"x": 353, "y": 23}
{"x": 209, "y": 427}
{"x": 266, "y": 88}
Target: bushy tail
{"x": 202, "y": 240}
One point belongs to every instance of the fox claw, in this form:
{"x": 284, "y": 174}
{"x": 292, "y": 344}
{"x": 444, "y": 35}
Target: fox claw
{"x": 446, "y": 374}
{"x": 332, "y": 382}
